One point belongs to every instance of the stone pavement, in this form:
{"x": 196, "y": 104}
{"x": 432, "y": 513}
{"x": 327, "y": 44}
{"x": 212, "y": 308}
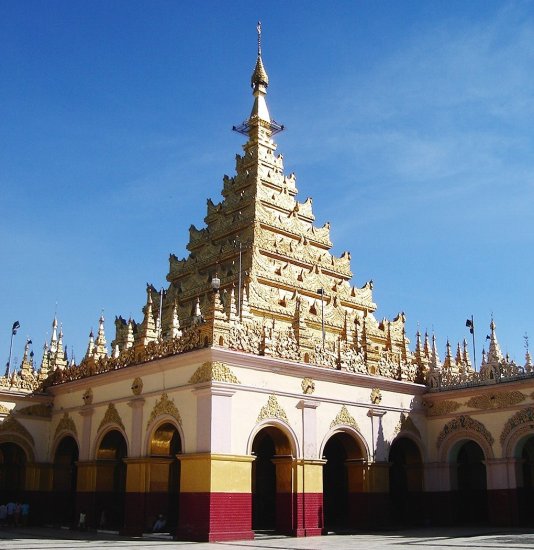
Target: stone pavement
{"x": 417, "y": 539}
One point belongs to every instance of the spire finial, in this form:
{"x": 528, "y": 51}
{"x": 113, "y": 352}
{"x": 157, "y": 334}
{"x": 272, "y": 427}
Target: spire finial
{"x": 258, "y": 28}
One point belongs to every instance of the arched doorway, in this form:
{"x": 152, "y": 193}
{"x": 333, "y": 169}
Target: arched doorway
{"x": 343, "y": 483}
{"x": 472, "y": 506}
{"x": 272, "y": 481}
{"x": 164, "y": 494}
{"x": 64, "y": 481}
{"x": 525, "y": 479}
{"x": 110, "y": 481}
{"x": 406, "y": 482}
{"x": 12, "y": 472}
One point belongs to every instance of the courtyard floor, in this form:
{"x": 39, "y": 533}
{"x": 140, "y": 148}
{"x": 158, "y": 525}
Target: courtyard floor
{"x": 417, "y": 539}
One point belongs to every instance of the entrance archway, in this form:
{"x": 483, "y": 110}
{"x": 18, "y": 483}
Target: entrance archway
{"x": 272, "y": 481}
{"x": 472, "y": 506}
{"x": 164, "y": 494}
{"x": 12, "y": 471}
{"x": 343, "y": 482}
{"x": 406, "y": 481}
{"x": 110, "y": 481}
{"x": 525, "y": 479}
{"x": 64, "y": 481}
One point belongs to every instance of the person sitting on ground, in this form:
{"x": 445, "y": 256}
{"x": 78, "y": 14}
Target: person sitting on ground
{"x": 159, "y": 524}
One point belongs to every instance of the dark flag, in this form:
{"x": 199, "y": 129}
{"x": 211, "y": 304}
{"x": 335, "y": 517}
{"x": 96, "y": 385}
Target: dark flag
{"x": 469, "y": 323}
{"x": 16, "y": 326}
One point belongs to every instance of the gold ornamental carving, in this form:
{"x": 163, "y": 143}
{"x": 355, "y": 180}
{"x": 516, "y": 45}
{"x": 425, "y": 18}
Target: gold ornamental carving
{"x": 4, "y": 410}
{"x": 524, "y": 416}
{"x": 272, "y": 410}
{"x": 88, "y": 396}
{"x": 164, "y": 405}
{"x": 40, "y": 410}
{"x": 66, "y": 424}
{"x": 442, "y": 407}
{"x": 496, "y": 400}
{"x": 376, "y": 396}
{"x": 308, "y": 386}
{"x": 12, "y": 425}
{"x": 406, "y": 424}
{"x": 137, "y": 386}
{"x": 112, "y": 416}
{"x": 464, "y": 423}
{"x": 344, "y": 418}
{"x": 214, "y": 371}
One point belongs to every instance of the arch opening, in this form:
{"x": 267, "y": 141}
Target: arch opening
{"x": 65, "y": 474}
{"x": 163, "y": 497}
{"x": 343, "y": 482}
{"x": 272, "y": 481}
{"x": 406, "y": 481}
{"x": 110, "y": 481}
{"x": 12, "y": 471}
{"x": 471, "y": 485}
{"x": 525, "y": 479}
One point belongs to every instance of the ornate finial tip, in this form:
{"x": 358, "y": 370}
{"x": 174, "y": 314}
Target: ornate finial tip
{"x": 258, "y": 28}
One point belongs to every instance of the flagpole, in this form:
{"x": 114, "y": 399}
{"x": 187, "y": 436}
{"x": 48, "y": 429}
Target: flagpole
{"x": 472, "y": 331}
{"x": 14, "y": 328}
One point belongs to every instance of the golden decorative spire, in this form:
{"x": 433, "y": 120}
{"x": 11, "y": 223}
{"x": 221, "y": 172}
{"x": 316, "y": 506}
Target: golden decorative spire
{"x": 259, "y": 76}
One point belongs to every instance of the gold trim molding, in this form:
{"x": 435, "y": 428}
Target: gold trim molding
{"x": 164, "y": 405}
{"x": 12, "y": 425}
{"x": 496, "y": 400}
{"x": 66, "y": 424}
{"x": 344, "y": 418}
{"x": 272, "y": 410}
{"x": 441, "y": 407}
{"x": 464, "y": 423}
{"x": 525, "y": 416}
{"x": 215, "y": 371}
{"x": 111, "y": 416}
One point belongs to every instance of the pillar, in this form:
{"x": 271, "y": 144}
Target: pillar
{"x": 137, "y": 476}
{"x": 215, "y": 497}
{"x": 503, "y": 503}
{"x": 310, "y": 518}
{"x": 85, "y": 491}
{"x": 438, "y": 493}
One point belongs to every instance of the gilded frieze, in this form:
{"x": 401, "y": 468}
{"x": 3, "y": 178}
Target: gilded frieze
{"x": 496, "y": 400}
{"x": 524, "y": 416}
{"x": 12, "y": 425}
{"x": 464, "y": 423}
{"x": 344, "y": 418}
{"x": 214, "y": 371}
{"x": 441, "y": 407}
{"x": 111, "y": 416}
{"x": 4, "y": 409}
{"x": 272, "y": 410}
{"x": 164, "y": 406}
{"x": 65, "y": 424}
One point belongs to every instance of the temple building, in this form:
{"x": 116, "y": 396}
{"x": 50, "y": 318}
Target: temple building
{"x": 260, "y": 391}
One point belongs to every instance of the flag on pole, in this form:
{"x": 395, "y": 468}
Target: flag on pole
{"x": 469, "y": 323}
{"x": 16, "y": 326}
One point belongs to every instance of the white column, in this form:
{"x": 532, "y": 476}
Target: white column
{"x": 309, "y": 428}
{"x": 136, "y": 442}
{"x": 214, "y": 420}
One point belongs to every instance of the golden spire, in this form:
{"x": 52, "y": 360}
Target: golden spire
{"x": 259, "y": 76}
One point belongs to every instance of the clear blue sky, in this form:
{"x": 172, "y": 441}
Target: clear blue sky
{"x": 411, "y": 124}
